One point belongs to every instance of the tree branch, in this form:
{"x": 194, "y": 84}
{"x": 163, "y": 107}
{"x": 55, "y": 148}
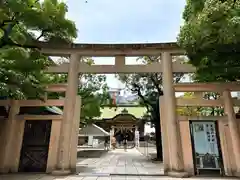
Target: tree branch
{"x": 154, "y": 76}
{"x": 139, "y": 93}
{"x": 234, "y": 2}
{"x": 4, "y": 23}
{"x": 9, "y": 42}
{"x": 160, "y": 92}
{"x": 5, "y": 39}
{"x": 178, "y": 77}
{"x": 41, "y": 35}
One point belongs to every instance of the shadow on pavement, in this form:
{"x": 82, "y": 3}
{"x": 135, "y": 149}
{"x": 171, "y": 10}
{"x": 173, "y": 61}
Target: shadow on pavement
{"x": 91, "y": 153}
{"x": 85, "y": 170}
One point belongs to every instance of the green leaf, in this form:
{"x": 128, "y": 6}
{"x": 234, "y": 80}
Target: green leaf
{"x": 21, "y": 68}
{"x": 211, "y": 37}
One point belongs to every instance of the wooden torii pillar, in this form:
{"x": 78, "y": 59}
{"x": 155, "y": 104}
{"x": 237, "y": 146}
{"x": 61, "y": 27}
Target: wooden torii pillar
{"x": 233, "y": 128}
{"x": 64, "y": 159}
{"x": 175, "y": 154}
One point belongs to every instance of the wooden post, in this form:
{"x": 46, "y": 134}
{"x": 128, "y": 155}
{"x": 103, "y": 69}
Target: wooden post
{"x": 233, "y": 128}
{"x": 75, "y": 132}
{"x": 8, "y": 146}
{"x": 63, "y": 163}
{"x": 176, "y": 166}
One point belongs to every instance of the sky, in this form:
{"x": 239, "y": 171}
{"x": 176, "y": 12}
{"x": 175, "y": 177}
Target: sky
{"x": 125, "y": 21}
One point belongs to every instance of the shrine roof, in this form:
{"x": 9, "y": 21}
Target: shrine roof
{"x": 41, "y": 110}
{"x": 92, "y": 130}
{"x": 110, "y": 112}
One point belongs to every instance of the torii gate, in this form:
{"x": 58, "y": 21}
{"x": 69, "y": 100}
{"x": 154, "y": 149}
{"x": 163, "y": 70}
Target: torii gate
{"x": 173, "y": 162}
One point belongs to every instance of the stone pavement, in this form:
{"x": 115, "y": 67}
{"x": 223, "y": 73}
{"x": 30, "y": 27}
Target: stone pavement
{"x": 148, "y": 149}
{"x": 74, "y": 177}
{"x": 113, "y": 165}
{"x": 119, "y": 162}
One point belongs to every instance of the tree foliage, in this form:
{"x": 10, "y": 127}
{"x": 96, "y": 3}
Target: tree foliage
{"x": 212, "y": 111}
{"x": 211, "y": 37}
{"x": 23, "y": 22}
{"x": 94, "y": 93}
{"x": 93, "y": 90}
{"x": 188, "y": 111}
{"x": 199, "y": 110}
{"x": 148, "y": 86}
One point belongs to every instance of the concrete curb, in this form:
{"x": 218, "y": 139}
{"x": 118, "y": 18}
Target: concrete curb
{"x": 93, "y": 174}
{"x": 117, "y": 174}
{"x": 138, "y": 175}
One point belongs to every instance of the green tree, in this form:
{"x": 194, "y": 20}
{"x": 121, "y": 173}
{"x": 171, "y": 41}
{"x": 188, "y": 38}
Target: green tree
{"x": 188, "y": 111}
{"x": 94, "y": 93}
{"x": 212, "y": 111}
{"x": 198, "y": 110}
{"x": 148, "y": 86}
{"x": 23, "y": 22}
{"x": 211, "y": 37}
{"x": 92, "y": 88}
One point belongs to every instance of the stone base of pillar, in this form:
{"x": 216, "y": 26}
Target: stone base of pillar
{"x": 237, "y": 174}
{"x": 4, "y": 170}
{"x": 60, "y": 172}
{"x": 73, "y": 170}
{"x": 178, "y": 174}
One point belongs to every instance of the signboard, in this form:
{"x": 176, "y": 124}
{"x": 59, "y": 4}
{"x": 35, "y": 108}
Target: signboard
{"x": 137, "y": 138}
{"x": 111, "y": 135}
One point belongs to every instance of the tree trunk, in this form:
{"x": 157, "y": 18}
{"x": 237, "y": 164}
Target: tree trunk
{"x": 158, "y": 140}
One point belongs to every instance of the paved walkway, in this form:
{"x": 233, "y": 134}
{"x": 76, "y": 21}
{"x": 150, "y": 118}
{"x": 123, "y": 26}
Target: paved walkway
{"x": 114, "y": 165}
{"x": 119, "y": 162}
{"x": 148, "y": 149}
{"x": 74, "y": 177}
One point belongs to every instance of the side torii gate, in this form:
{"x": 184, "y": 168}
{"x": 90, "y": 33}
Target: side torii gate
{"x": 174, "y": 165}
